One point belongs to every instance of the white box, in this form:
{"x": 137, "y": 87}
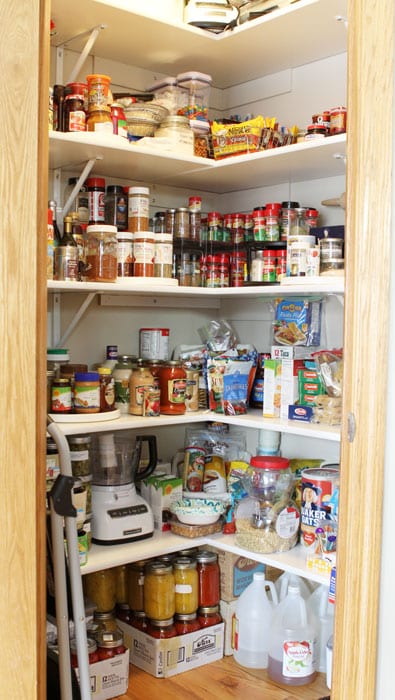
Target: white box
{"x": 289, "y": 387}
{"x": 163, "y": 658}
{"x": 109, "y": 678}
{"x": 160, "y": 492}
{"x": 272, "y": 389}
{"x": 228, "y": 611}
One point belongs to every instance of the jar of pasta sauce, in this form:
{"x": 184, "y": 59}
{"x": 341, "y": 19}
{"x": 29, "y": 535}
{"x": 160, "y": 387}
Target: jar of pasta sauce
{"x": 101, "y": 253}
{"x": 159, "y": 593}
{"x": 186, "y": 585}
{"x": 139, "y": 620}
{"x": 209, "y": 616}
{"x": 107, "y": 389}
{"x": 173, "y": 381}
{"x": 161, "y": 629}
{"x": 186, "y": 623}
{"x": 110, "y": 644}
{"x": 93, "y": 654}
{"x": 208, "y": 578}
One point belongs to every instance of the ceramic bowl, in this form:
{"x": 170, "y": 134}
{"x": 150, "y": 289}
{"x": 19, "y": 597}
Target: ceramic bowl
{"x": 198, "y": 511}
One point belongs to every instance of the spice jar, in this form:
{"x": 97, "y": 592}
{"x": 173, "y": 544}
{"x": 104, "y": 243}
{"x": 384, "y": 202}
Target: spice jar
{"x": 269, "y": 273}
{"x": 110, "y": 644}
{"x": 192, "y": 388}
{"x": 186, "y": 585}
{"x": 159, "y": 594}
{"x": 259, "y": 231}
{"x": 135, "y": 586}
{"x": 100, "y": 587}
{"x": 170, "y": 221}
{"x": 124, "y": 255}
{"x": 172, "y": 379}
{"x": 116, "y": 207}
{"x": 186, "y": 623}
{"x": 208, "y": 577}
{"x": 93, "y": 654}
{"x": 138, "y": 209}
{"x": 195, "y": 217}
{"x": 107, "y": 389}
{"x": 144, "y": 254}
{"x": 74, "y": 113}
{"x": 161, "y": 629}
{"x": 87, "y": 392}
{"x": 214, "y": 226}
{"x": 61, "y": 399}
{"x": 163, "y": 261}
{"x": 101, "y": 253}
{"x": 208, "y": 616}
{"x": 181, "y": 225}
{"x": 96, "y": 190}
{"x": 79, "y": 455}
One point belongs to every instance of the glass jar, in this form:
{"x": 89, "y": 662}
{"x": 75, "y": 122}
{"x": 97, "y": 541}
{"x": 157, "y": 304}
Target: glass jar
{"x": 139, "y": 620}
{"x": 161, "y": 629}
{"x": 116, "y": 207}
{"x": 267, "y": 521}
{"x": 177, "y": 130}
{"x": 74, "y": 113}
{"x": 135, "y": 583}
{"x": 208, "y": 578}
{"x": 99, "y": 120}
{"x": 186, "y": 623}
{"x": 121, "y": 373}
{"x": 110, "y": 644}
{"x": 256, "y": 270}
{"x": 79, "y": 455}
{"x": 86, "y": 392}
{"x": 287, "y": 219}
{"x": 104, "y": 621}
{"x": 121, "y": 584}
{"x": 159, "y": 594}
{"x": 100, "y": 587}
{"x": 101, "y": 253}
{"x": 144, "y": 254}
{"x": 107, "y": 389}
{"x": 181, "y": 223}
{"x": 124, "y": 254}
{"x": 96, "y": 191}
{"x": 163, "y": 262}
{"x": 208, "y": 616}
{"x": 172, "y": 379}
{"x": 170, "y": 221}
{"x": 214, "y": 226}
{"x": 124, "y": 613}
{"x": 272, "y": 223}
{"x": 140, "y": 383}
{"x": 299, "y": 226}
{"x": 61, "y": 398}
{"x": 93, "y": 654}
{"x": 98, "y": 90}
{"x": 186, "y": 585}
{"x": 195, "y": 217}
{"x": 238, "y": 268}
{"x": 138, "y": 209}
{"x": 269, "y": 266}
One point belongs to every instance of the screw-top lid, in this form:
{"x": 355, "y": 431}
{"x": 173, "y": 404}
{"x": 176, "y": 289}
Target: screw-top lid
{"x": 58, "y": 354}
{"x": 95, "y": 182}
{"x": 268, "y": 462}
{"x": 87, "y": 377}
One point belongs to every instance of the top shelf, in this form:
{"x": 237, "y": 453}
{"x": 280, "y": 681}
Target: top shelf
{"x": 301, "y": 33}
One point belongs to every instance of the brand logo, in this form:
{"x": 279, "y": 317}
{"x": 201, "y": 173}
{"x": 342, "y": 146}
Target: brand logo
{"x": 297, "y": 651}
{"x": 203, "y": 643}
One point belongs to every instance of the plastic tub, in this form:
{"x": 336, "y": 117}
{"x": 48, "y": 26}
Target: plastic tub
{"x": 193, "y": 94}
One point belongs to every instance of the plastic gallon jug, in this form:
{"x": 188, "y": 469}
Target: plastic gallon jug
{"x": 293, "y": 639}
{"x": 253, "y": 620}
{"x": 286, "y": 579}
{"x": 324, "y": 611}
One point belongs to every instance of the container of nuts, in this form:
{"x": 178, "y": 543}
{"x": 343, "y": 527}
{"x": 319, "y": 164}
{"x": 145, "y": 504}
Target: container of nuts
{"x": 201, "y": 137}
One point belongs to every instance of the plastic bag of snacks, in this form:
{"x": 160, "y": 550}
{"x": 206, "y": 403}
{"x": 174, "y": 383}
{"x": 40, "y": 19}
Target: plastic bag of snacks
{"x": 329, "y": 364}
{"x": 297, "y": 322}
{"x": 235, "y": 139}
{"x": 229, "y": 379}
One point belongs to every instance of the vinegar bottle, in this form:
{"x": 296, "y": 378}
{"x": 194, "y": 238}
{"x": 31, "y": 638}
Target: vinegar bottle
{"x": 254, "y": 611}
{"x": 293, "y": 638}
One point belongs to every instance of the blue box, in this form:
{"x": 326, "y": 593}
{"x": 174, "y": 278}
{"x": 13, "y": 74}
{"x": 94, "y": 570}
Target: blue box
{"x": 303, "y": 413}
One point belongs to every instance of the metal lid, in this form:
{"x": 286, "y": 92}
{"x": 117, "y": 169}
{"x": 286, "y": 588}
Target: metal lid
{"x": 159, "y": 567}
{"x": 206, "y": 557}
{"x": 184, "y": 563}
{"x": 110, "y": 639}
{"x": 162, "y": 623}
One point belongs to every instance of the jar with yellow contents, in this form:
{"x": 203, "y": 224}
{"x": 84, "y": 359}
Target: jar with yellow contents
{"x": 100, "y": 587}
{"x": 159, "y": 593}
{"x": 186, "y": 585}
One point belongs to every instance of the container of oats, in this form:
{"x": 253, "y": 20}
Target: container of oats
{"x": 267, "y": 520}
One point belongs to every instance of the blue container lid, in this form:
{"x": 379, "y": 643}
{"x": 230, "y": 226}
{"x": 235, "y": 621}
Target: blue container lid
{"x": 86, "y": 377}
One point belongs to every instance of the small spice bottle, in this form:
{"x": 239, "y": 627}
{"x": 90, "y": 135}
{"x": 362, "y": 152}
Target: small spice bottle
{"x": 172, "y": 379}
{"x": 101, "y": 253}
{"x": 161, "y": 629}
{"x": 209, "y": 578}
{"x": 163, "y": 262}
{"x": 138, "y": 209}
{"x": 181, "y": 229}
{"x": 87, "y": 392}
{"x": 186, "y": 585}
{"x": 186, "y": 623}
{"x": 209, "y": 616}
{"x": 121, "y": 373}
{"x": 124, "y": 255}
{"x": 144, "y": 254}
{"x": 116, "y": 207}
{"x": 159, "y": 593}
{"x": 107, "y": 389}
{"x": 96, "y": 192}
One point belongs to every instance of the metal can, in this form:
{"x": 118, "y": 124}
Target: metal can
{"x": 154, "y": 343}
{"x": 194, "y": 461}
{"x": 338, "y": 121}
{"x": 319, "y": 511}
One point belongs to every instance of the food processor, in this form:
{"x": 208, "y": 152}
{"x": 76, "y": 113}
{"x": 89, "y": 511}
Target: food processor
{"x": 119, "y": 513}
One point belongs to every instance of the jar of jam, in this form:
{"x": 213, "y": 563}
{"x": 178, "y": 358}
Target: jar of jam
{"x": 61, "y": 396}
{"x": 186, "y": 585}
{"x": 140, "y": 383}
{"x": 93, "y": 654}
{"x": 172, "y": 388}
{"x": 159, "y": 594}
{"x": 186, "y": 623}
{"x": 110, "y": 644}
{"x": 135, "y": 583}
{"x": 139, "y": 620}
{"x": 161, "y": 629}
{"x": 209, "y": 616}
{"x": 208, "y": 578}
{"x": 100, "y": 588}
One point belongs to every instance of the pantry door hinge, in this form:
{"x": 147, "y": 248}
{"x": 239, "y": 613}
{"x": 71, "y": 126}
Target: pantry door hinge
{"x": 350, "y": 427}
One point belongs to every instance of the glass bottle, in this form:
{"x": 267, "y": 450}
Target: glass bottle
{"x": 66, "y": 255}
{"x": 57, "y": 235}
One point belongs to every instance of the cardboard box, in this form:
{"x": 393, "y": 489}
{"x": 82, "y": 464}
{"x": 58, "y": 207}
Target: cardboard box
{"x": 303, "y": 413}
{"x": 163, "y": 658}
{"x": 160, "y": 492}
{"x": 109, "y": 678}
{"x": 283, "y": 352}
{"x": 272, "y": 389}
{"x": 227, "y": 611}
{"x": 236, "y": 573}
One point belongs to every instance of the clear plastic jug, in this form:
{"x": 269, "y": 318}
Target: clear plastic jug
{"x": 254, "y": 611}
{"x": 324, "y": 611}
{"x": 286, "y": 579}
{"x": 293, "y": 641}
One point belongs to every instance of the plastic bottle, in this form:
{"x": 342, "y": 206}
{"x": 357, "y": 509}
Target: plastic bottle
{"x": 286, "y": 579}
{"x": 268, "y": 442}
{"x": 254, "y": 612}
{"x": 293, "y": 641}
{"x": 319, "y": 604}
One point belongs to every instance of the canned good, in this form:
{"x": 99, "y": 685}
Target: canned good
{"x": 194, "y": 460}
{"x": 320, "y": 495}
{"x": 154, "y": 343}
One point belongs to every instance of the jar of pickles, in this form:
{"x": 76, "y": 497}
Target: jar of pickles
{"x": 186, "y": 585}
{"x": 100, "y": 588}
{"x": 159, "y": 593}
{"x": 135, "y": 584}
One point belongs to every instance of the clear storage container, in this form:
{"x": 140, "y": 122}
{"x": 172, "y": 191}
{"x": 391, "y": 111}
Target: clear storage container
{"x": 193, "y": 94}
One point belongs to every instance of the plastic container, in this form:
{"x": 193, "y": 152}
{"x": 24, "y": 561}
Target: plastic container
{"x": 176, "y": 129}
{"x": 201, "y": 137}
{"x": 268, "y": 442}
{"x": 329, "y": 654}
{"x": 253, "y": 618}
{"x": 98, "y": 90}
{"x": 124, "y": 254}
{"x": 324, "y": 611}
{"x": 166, "y": 93}
{"x": 87, "y": 392}
{"x": 293, "y": 642}
{"x": 193, "y": 94}
{"x": 101, "y": 253}
{"x": 286, "y": 580}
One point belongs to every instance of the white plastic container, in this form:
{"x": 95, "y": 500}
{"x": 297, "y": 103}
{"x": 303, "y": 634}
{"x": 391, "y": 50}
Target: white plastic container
{"x": 286, "y": 580}
{"x": 254, "y": 612}
{"x": 269, "y": 442}
{"x": 166, "y": 93}
{"x": 293, "y": 642}
{"x": 329, "y": 655}
{"x": 324, "y": 610}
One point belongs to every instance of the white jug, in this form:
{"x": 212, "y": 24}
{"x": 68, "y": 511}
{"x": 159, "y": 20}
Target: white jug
{"x": 324, "y": 611}
{"x": 253, "y": 615}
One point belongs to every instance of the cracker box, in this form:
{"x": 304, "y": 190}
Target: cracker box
{"x": 228, "y": 611}
{"x": 109, "y": 678}
{"x": 272, "y": 390}
{"x": 163, "y": 658}
{"x": 236, "y": 573}
{"x": 160, "y": 492}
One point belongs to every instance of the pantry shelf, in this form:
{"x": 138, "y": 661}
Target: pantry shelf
{"x": 300, "y": 33}
{"x": 116, "y": 157}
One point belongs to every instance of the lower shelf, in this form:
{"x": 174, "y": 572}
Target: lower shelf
{"x": 221, "y": 680}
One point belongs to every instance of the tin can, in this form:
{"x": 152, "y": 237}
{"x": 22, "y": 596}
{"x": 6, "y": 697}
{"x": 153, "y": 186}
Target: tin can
{"x": 194, "y": 460}
{"x": 320, "y": 495}
{"x": 154, "y": 343}
{"x": 338, "y": 121}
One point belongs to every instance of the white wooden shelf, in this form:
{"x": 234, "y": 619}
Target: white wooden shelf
{"x": 116, "y": 157}
{"x": 303, "y": 32}
{"x": 106, "y": 557}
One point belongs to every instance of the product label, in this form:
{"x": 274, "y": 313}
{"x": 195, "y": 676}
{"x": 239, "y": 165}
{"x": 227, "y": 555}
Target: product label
{"x": 287, "y": 523}
{"x": 79, "y": 456}
{"x": 176, "y": 389}
{"x": 122, "y": 393}
{"x": 86, "y": 397}
{"x": 138, "y": 206}
{"x": 298, "y": 658}
{"x": 77, "y": 121}
{"x": 183, "y": 588}
{"x": 61, "y": 399}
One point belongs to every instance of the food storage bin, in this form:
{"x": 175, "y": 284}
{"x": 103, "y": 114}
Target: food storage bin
{"x": 165, "y": 93}
{"x": 193, "y": 94}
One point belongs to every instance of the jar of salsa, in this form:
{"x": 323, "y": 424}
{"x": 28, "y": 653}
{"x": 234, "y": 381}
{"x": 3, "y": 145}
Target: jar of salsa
{"x": 161, "y": 629}
{"x": 93, "y": 654}
{"x": 208, "y": 578}
{"x": 186, "y": 623}
{"x": 139, "y": 620}
{"x": 173, "y": 381}
{"x": 186, "y": 585}
{"x": 159, "y": 593}
{"x": 209, "y": 615}
{"x": 135, "y": 583}
{"x": 124, "y": 613}
{"x": 110, "y": 644}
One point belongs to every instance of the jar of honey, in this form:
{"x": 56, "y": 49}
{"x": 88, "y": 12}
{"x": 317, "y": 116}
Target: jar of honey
{"x": 173, "y": 381}
{"x": 186, "y": 585}
{"x": 159, "y": 593}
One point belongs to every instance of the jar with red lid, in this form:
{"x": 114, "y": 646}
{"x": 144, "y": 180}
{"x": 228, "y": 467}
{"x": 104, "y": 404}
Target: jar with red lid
{"x": 110, "y": 644}
{"x": 93, "y": 654}
{"x": 237, "y": 228}
{"x": 311, "y": 218}
{"x": 269, "y": 273}
{"x": 259, "y": 216}
{"x": 208, "y": 616}
{"x": 77, "y": 88}
{"x": 173, "y": 380}
{"x": 218, "y": 267}
{"x": 281, "y": 268}
{"x": 161, "y": 629}
{"x": 272, "y": 223}
{"x": 338, "y": 121}
{"x": 186, "y": 623}
{"x": 248, "y": 227}
{"x": 238, "y": 268}
{"x": 214, "y": 226}
{"x": 208, "y": 578}
{"x": 315, "y": 131}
